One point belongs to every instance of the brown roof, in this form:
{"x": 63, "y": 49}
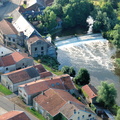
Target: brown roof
{"x": 54, "y": 99}
{"x": 90, "y": 90}
{"x": 40, "y": 68}
{"x": 70, "y": 107}
{"x": 42, "y": 85}
{"x": 7, "y": 61}
{"x": 7, "y": 28}
{"x": 14, "y": 115}
{"x": 48, "y": 2}
{"x": 45, "y": 74}
{"x": 17, "y": 56}
{"x": 22, "y": 74}
{"x": 67, "y": 81}
{"x": 35, "y": 38}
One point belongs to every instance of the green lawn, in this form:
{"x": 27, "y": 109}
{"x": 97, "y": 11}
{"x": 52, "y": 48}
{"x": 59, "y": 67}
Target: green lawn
{"x": 35, "y": 113}
{"x": 4, "y": 90}
{"x": 57, "y": 72}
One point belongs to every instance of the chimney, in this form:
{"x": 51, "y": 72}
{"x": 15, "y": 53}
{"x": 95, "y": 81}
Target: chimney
{"x": 51, "y": 78}
{"x": 42, "y": 93}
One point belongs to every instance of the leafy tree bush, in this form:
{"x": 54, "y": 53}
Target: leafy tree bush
{"x": 106, "y": 94}
{"x": 82, "y": 77}
{"x": 68, "y": 70}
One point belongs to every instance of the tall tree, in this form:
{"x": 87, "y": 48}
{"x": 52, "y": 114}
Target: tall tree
{"x": 107, "y": 94}
{"x": 82, "y": 77}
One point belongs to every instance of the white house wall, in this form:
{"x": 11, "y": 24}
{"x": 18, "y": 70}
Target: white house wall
{"x": 83, "y": 115}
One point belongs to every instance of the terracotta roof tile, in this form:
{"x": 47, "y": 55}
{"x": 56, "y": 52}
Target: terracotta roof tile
{"x": 90, "y": 90}
{"x": 14, "y": 115}
{"x": 45, "y": 74}
{"x": 42, "y": 85}
{"x": 40, "y": 68}
{"x": 67, "y": 82}
{"x": 35, "y": 39}
{"x": 7, "y": 28}
{"x": 53, "y": 99}
{"x": 17, "y": 56}
{"x": 22, "y": 74}
{"x": 7, "y": 60}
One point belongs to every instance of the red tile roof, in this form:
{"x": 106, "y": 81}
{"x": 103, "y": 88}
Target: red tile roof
{"x": 67, "y": 81}
{"x": 54, "y": 99}
{"x": 42, "y": 85}
{"x": 7, "y": 61}
{"x": 90, "y": 90}
{"x": 46, "y": 74}
{"x": 35, "y": 39}
{"x": 40, "y": 68}
{"x": 54, "y": 82}
{"x": 22, "y": 74}
{"x": 17, "y": 56}
{"x": 14, "y": 115}
{"x": 7, "y": 28}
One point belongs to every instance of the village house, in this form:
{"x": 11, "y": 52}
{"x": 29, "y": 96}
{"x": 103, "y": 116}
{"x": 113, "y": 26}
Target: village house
{"x": 13, "y": 79}
{"x": 52, "y": 102}
{"x": 36, "y": 45}
{"x": 9, "y": 34}
{"x": 91, "y": 93}
{"x": 14, "y": 61}
{"x": 30, "y": 90}
{"x": 39, "y": 46}
{"x": 5, "y": 50}
{"x": 14, "y": 115}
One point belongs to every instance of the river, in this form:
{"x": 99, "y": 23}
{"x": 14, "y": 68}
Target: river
{"x": 92, "y": 52}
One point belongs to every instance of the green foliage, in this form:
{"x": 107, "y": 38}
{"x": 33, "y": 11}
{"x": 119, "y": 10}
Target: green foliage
{"x": 118, "y": 62}
{"x": 68, "y": 70}
{"x": 34, "y": 112}
{"x": 106, "y": 91}
{"x": 93, "y": 107}
{"x": 82, "y": 77}
{"x": 4, "y": 90}
{"x": 49, "y": 61}
{"x": 105, "y": 18}
{"x": 118, "y": 115}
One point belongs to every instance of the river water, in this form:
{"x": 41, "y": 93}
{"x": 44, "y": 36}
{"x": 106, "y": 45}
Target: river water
{"x": 92, "y": 52}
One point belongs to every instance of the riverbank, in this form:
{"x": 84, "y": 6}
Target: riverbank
{"x": 92, "y": 52}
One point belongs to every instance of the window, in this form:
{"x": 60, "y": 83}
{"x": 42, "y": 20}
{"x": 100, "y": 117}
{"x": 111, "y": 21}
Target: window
{"x": 6, "y": 68}
{"x": 57, "y": 83}
{"x": 42, "y": 48}
{"x": 42, "y": 53}
{"x": 35, "y": 49}
{"x": 83, "y": 116}
{"x": 25, "y": 95}
{"x": 52, "y": 85}
{"x": 74, "y": 111}
{"x": 1, "y": 52}
{"x": 89, "y": 115}
{"x": 78, "y": 112}
{"x": 13, "y": 40}
{"x": 78, "y": 118}
{"x": 9, "y": 38}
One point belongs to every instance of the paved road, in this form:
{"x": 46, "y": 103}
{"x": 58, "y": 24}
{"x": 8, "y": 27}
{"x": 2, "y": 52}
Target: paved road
{"x": 8, "y": 8}
{"x": 8, "y": 106}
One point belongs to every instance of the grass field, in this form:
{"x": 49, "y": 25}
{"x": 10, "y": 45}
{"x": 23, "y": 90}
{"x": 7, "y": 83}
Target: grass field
{"x": 4, "y": 90}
